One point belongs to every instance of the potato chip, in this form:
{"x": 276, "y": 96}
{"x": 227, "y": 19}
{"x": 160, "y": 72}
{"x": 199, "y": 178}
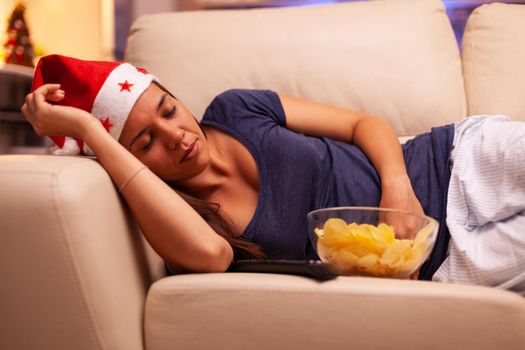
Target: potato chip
{"x": 334, "y": 226}
{"x": 368, "y": 261}
{"x": 371, "y": 250}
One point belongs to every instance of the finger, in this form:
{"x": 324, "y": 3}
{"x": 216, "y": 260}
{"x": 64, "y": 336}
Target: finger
{"x": 56, "y": 96}
{"x": 46, "y": 89}
{"x": 43, "y": 91}
{"x": 29, "y": 116}
{"x": 409, "y": 226}
{"x": 24, "y": 110}
{"x": 38, "y": 100}
{"x": 37, "y": 96}
{"x": 30, "y": 103}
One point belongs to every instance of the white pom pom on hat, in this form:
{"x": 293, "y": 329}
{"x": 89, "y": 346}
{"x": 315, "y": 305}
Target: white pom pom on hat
{"x": 107, "y": 90}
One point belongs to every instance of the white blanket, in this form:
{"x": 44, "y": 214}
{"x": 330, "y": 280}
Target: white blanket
{"x": 486, "y": 202}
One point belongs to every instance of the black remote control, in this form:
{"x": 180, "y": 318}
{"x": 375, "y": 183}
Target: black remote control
{"x": 309, "y": 268}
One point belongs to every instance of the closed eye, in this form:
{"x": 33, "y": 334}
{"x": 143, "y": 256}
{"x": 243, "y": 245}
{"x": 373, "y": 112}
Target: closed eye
{"x": 148, "y": 144}
{"x": 170, "y": 113}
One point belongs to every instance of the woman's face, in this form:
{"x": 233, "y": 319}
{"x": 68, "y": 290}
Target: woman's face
{"x": 163, "y": 134}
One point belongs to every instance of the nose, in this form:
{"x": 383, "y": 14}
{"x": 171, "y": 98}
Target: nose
{"x": 174, "y": 138}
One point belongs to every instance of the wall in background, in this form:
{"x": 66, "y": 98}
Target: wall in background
{"x": 126, "y": 11}
{"x": 81, "y": 28}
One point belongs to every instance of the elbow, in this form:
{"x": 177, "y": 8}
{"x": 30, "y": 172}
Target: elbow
{"x": 219, "y": 259}
{"x": 210, "y": 260}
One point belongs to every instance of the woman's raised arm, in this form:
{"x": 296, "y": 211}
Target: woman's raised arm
{"x": 373, "y": 135}
{"x": 172, "y": 227}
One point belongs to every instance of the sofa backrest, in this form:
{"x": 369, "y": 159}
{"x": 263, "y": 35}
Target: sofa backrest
{"x": 397, "y": 59}
{"x": 493, "y": 54}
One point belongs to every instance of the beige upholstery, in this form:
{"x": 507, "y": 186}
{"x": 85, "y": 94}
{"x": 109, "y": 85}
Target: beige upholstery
{"x": 76, "y": 274}
{"x": 73, "y": 268}
{"x": 493, "y": 52}
{"x": 397, "y": 59}
{"x": 257, "y": 311}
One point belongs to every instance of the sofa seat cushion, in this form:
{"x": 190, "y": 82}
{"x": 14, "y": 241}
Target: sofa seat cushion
{"x": 237, "y": 311}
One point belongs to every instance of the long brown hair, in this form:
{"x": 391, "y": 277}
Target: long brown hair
{"x": 210, "y": 212}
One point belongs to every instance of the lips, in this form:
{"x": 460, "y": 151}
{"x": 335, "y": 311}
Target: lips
{"x": 190, "y": 152}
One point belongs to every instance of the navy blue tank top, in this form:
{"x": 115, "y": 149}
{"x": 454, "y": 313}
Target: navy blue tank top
{"x": 300, "y": 173}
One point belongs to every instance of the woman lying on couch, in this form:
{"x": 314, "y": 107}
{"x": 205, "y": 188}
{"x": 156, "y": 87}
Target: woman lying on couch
{"x": 246, "y": 177}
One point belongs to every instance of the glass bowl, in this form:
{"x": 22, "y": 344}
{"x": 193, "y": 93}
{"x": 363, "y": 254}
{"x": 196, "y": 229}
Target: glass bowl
{"x": 370, "y": 241}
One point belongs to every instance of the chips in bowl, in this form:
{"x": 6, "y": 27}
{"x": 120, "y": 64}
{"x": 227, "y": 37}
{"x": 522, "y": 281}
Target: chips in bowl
{"x": 363, "y": 241}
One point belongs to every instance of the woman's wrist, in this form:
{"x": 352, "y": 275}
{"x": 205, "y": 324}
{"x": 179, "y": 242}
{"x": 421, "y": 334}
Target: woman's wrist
{"x": 393, "y": 180}
{"x": 91, "y": 129}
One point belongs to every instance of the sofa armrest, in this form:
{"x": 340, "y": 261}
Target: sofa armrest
{"x": 74, "y": 270}
{"x": 264, "y": 311}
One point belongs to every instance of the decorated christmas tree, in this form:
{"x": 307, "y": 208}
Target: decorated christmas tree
{"x": 18, "y": 47}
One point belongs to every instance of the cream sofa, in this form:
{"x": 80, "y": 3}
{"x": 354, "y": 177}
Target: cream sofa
{"x": 76, "y": 274}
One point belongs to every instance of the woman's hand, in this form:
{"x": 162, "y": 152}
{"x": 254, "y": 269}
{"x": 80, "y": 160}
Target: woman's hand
{"x": 54, "y": 120}
{"x": 397, "y": 193}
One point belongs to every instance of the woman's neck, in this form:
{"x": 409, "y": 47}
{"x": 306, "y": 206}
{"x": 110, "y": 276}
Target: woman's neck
{"x": 216, "y": 175}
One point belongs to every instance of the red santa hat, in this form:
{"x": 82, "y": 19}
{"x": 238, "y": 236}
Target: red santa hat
{"x": 107, "y": 90}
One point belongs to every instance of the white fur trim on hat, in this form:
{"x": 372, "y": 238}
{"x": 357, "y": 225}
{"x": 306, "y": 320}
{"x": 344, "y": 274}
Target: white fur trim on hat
{"x": 69, "y": 148}
{"x": 117, "y": 96}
